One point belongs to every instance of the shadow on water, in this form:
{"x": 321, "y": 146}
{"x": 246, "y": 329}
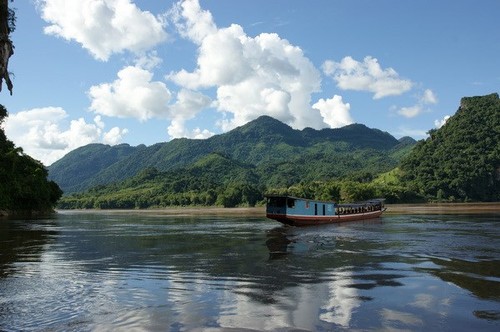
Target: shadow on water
{"x": 23, "y": 242}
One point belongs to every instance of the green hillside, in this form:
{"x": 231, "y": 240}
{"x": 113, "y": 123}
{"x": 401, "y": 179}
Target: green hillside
{"x": 81, "y": 164}
{"x": 231, "y": 169}
{"x": 265, "y": 143}
{"x": 461, "y": 160}
{"x": 214, "y": 179}
{"x": 458, "y": 162}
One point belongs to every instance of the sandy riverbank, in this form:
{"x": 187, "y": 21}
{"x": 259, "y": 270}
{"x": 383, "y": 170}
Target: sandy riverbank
{"x": 442, "y": 208}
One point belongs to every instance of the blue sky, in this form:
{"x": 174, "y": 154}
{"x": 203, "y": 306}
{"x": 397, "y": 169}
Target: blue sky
{"x": 142, "y": 72}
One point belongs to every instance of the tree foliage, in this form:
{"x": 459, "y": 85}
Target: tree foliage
{"x": 280, "y": 155}
{"x": 461, "y": 160}
{"x": 458, "y": 162}
{"x": 23, "y": 180}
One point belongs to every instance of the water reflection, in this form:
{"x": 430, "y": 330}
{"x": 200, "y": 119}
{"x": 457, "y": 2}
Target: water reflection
{"x": 23, "y": 242}
{"x": 109, "y": 271}
{"x": 482, "y": 278}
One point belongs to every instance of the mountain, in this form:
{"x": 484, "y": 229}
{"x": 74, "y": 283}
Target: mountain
{"x": 461, "y": 160}
{"x": 78, "y": 166}
{"x": 265, "y": 143}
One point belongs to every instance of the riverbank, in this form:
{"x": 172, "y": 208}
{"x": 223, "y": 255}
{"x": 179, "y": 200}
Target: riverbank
{"x": 444, "y": 208}
{"x": 437, "y": 208}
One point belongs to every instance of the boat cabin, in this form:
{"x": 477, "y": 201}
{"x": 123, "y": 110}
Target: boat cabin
{"x": 298, "y": 206}
{"x": 300, "y": 211}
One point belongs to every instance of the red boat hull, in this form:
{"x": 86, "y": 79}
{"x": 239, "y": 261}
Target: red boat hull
{"x": 295, "y": 220}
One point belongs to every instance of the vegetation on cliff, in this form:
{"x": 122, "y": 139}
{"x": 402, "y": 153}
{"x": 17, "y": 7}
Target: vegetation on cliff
{"x": 461, "y": 160}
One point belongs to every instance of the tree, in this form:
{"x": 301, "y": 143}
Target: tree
{"x": 7, "y": 25}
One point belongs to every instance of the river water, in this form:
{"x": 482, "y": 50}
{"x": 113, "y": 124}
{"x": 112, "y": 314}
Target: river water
{"x": 104, "y": 271}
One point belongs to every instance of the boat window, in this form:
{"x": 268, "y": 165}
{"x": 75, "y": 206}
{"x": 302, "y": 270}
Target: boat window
{"x": 291, "y": 203}
{"x": 277, "y": 201}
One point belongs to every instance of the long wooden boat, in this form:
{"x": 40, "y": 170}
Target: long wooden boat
{"x": 305, "y": 212}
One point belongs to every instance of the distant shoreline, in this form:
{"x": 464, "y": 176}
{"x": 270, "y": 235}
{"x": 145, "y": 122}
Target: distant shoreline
{"x": 444, "y": 208}
{"x": 393, "y": 209}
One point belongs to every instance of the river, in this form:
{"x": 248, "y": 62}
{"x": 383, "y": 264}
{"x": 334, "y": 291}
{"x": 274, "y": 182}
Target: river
{"x": 109, "y": 271}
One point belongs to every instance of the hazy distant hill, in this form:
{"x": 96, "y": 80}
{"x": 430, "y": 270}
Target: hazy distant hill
{"x": 271, "y": 146}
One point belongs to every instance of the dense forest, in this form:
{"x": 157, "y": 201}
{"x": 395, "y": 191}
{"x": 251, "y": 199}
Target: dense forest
{"x": 24, "y": 187}
{"x": 461, "y": 160}
{"x": 231, "y": 169}
{"x": 458, "y": 162}
{"x": 282, "y": 155}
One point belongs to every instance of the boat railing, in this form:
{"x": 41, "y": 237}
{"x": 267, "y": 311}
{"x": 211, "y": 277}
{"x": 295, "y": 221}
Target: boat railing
{"x": 359, "y": 208}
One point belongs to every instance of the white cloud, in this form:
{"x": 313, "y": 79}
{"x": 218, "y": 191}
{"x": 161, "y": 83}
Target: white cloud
{"x": 442, "y": 122}
{"x": 334, "y": 111}
{"x": 148, "y": 61}
{"x": 188, "y": 104}
{"x": 411, "y": 111}
{"x": 252, "y": 76}
{"x": 103, "y": 27}
{"x": 191, "y": 21}
{"x": 133, "y": 95}
{"x": 178, "y": 129}
{"x": 38, "y": 131}
{"x": 427, "y": 98}
{"x": 114, "y": 136}
{"x": 366, "y": 76}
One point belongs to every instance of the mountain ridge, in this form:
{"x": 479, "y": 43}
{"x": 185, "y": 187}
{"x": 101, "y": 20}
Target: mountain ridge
{"x": 263, "y": 140}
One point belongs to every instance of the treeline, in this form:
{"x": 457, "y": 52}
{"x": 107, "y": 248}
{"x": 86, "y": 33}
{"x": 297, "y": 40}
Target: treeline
{"x": 191, "y": 192}
{"x": 229, "y": 187}
{"x": 24, "y": 187}
{"x": 456, "y": 163}
{"x": 213, "y": 180}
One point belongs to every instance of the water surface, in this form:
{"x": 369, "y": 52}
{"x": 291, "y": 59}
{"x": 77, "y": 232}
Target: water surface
{"x": 101, "y": 271}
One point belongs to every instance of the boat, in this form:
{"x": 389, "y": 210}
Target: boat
{"x": 297, "y": 211}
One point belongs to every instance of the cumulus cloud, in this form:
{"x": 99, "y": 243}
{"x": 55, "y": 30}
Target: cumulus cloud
{"x": 252, "y": 75}
{"x": 442, "y": 122}
{"x": 334, "y": 111}
{"x": 39, "y": 132}
{"x": 133, "y": 94}
{"x": 103, "y": 27}
{"x": 366, "y": 76}
{"x": 191, "y": 21}
{"x": 188, "y": 104}
{"x": 427, "y": 98}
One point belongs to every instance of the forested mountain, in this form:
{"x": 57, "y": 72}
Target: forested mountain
{"x": 458, "y": 162}
{"x": 24, "y": 188}
{"x": 83, "y": 163}
{"x": 461, "y": 160}
{"x": 279, "y": 153}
